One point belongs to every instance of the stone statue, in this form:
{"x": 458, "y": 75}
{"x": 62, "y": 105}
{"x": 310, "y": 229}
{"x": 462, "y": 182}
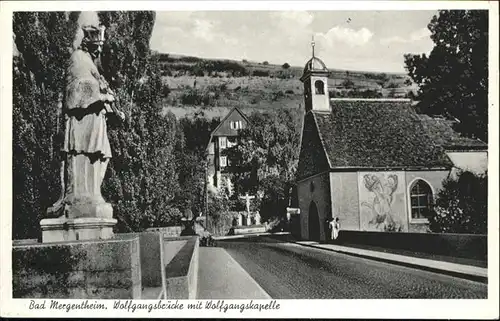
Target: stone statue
{"x": 86, "y": 151}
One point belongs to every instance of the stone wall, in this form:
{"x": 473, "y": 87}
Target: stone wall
{"x": 181, "y": 272}
{"x": 150, "y": 254}
{"x": 104, "y": 269}
{"x": 170, "y": 249}
{"x": 468, "y": 246}
{"x": 169, "y": 231}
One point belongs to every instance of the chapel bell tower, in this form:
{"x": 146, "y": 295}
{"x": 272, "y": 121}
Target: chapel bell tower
{"x": 315, "y": 79}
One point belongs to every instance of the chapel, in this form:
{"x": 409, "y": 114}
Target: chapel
{"x": 376, "y": 164}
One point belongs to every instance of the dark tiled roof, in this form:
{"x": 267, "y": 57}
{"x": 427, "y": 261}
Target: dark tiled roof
{"x": 442, "y": 132}
{"x": 223, "y": 128}
{"x": 377, "y": 134}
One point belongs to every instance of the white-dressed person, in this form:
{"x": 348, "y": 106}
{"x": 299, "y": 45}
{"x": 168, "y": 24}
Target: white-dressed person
{"x": 335, "y": 227}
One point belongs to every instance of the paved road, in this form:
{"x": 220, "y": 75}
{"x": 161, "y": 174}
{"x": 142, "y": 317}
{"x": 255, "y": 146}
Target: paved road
{"x": 221, "y": 277}
{"x": 291, "y": 271}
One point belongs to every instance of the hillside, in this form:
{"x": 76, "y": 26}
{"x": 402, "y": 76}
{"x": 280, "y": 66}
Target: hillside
{"x": 215, "y": 85}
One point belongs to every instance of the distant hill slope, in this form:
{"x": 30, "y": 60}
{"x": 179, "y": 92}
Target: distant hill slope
{"x": 197, "y": 83}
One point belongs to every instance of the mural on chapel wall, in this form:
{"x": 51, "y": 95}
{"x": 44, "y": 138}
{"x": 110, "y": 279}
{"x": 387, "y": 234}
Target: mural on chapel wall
{"x": 382, "y": 201}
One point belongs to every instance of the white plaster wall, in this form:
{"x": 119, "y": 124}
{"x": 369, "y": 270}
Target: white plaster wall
{"x": 211, "y": 148}
{"x": 321, "y": 196}
{"x": 344, "y": 199}
{"x": 475, "y": 162}
{"x": 320, "y": 102}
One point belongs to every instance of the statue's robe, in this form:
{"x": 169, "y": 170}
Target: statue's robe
{"x": 86, "y": 125}
{"x": 86, "y": 146}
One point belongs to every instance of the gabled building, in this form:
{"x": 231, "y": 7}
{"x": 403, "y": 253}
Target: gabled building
{"x": 374, "y": 163}
{"x": 222, "y": 138}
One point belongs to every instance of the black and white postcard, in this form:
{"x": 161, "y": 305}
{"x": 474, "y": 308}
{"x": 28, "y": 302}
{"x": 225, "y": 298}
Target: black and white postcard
{"x": 249, "y": 159}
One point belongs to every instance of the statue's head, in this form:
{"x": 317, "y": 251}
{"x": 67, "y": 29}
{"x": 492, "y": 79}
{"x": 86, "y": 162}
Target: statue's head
{"x": 90, "y": 34}
{"x": 93, "y": 40}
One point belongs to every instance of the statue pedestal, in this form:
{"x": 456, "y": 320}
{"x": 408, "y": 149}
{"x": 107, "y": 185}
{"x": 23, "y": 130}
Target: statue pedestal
{"x": 73, "y": 229}
{"x": 249, "y": 219}
{"x": 83, "y": 219}
{"x": 85, "y": 207}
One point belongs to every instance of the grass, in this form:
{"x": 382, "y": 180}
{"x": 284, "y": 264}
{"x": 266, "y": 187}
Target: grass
{"x": 216, "y": 85}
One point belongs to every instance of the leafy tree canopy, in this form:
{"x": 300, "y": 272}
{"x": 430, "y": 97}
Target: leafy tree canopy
{"x": 266, "y": 159}
{"x": 453, "y": 79}
{"x": 461, "y": 205}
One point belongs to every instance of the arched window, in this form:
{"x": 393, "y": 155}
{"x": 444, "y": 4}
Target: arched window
{"x": 421, "y": 199}
{"x": 320, "y": 87}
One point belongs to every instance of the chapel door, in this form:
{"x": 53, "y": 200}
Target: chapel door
{"x": 314, "y": 233}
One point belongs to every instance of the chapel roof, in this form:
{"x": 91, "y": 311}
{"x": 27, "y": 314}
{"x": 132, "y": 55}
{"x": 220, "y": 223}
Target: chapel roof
{"x": 370, "y": 133}
{"x": 315, "y": 64}
{"x": 441, "y": 131}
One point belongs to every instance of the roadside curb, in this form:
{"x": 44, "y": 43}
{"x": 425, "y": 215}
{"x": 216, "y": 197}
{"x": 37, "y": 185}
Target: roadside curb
{"x": 239, "y": 236}
{"x": 478, "y": 277}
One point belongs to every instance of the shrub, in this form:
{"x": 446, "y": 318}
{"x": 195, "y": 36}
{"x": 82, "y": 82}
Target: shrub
{"x": 170, "y": 216}
{"x": 191, "y": 97}
{"x": 277, "y": 95}
{"x": 277, "y": 225}
{"x": 461, "y": 205}
{"x": 260, "y": 73}
{"x": 265, "y": 63}
{"x": 199, "y": 72}
{"x": 207, "y": 240}
{"x": 219, "y": 220}
{"x": 190, "y": 59}
{"x": 165, "y": 90}
{"x": 392, "y": 85}
{"x": 347, "y": 83}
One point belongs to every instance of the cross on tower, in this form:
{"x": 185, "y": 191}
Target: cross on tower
{"x": 247, "y": 198}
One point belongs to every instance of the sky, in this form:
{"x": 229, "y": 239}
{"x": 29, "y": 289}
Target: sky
{"x": 351, "y": 40}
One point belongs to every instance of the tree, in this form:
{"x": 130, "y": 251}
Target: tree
{"x": 461, "y": 205}
{"x": 142, "y": 179}
{"x": 285, "y": 65}
{"x": 453, "y": 79}
{"x": 266, "y": 157}
{"x": 191, "y": 162}
{"x": 347, "y": 83}
{"x": 275, "y": 191}
{"x": 43, "y": 40}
